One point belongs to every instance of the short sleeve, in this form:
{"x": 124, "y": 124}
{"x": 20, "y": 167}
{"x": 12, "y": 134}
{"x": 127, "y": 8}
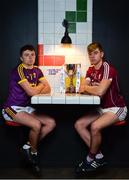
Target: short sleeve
{"x": 109, "y": 72}
{"x": 40, "y": 74}
{"x": 20, "y": 74}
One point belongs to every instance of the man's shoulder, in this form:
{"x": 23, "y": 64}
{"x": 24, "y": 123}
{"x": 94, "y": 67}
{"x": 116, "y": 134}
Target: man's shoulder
{"x": 109, "y": 66}
{"x": 18, "y": 66}
{"x": 15, "y": 69}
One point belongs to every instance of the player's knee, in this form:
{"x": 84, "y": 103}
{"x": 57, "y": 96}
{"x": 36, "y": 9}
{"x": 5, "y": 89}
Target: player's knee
{"x": 37, "y": 126}
{"x": 78, "y": 125}
{"x": 94, "y": 128}
{"x": 51, "y": 124}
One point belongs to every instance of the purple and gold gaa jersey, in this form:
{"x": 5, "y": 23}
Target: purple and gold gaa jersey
{"x": 17, "y": 95}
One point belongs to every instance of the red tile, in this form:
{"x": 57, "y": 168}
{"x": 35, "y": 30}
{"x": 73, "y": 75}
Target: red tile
{"x": 40, "y": 54}
{"x": 54, "y": 60}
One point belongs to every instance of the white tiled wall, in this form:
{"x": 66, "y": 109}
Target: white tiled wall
{"x": 50, "y": 31}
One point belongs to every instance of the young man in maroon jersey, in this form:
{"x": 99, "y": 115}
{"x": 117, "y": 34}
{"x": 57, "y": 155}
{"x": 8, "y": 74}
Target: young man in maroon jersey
{"x": 101, "y": 80}
{"x": 27, "y": 80}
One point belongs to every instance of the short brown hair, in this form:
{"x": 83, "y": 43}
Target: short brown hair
{"x": 91, "y": 47}
{"x": 26, "y": 47}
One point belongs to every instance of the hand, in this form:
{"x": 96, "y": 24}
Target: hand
{"x": 95, "y": 84}
{"x": 82, "y": 89}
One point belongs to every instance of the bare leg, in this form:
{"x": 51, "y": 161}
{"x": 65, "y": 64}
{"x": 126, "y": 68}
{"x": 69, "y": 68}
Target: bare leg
{"x": 105, "y": 120}
{"x": 81, "y": 127}
{"x": 30, "y": 121}
{"x": 48, "y": 124}
{"x": 93, "y": 139}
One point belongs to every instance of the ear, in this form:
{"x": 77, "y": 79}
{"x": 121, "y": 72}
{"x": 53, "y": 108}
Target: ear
{"x": 102, "y": 54}
{"x": 21, "y": 58}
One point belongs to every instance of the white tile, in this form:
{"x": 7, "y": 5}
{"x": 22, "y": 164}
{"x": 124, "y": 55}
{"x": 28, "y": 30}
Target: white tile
{"x": 58, "y": 98}
{"x": 89, "y": 27}
{"x": 59, "y": 5}
{"x": 40, "y": 27}
{"x": 86, "y": 99}
{"x": 40, "y": 38}
{"x": 70, "y": 5}
{"x": 89, "y": 16}
{"x": 81, "y": 27}
{"x": 89, "y": 38}
{"x": 34, "y": 100}
{"x": 40, "y": 16}
{"x": 57, "y": 41}
{"x": 48, "y": 16}
{"x": 48, "y": 28}
{"x": 73, "y": 38}
{"x": 72, "y": 99}
{"x": 48, "y": 39}
{"x": 59, "y": 28}
{"x": 49, "y": 49}
{"x": 81, "y": 39}
{"x": 44, "y": 99}
{"x": 49, "y": 5}
{"x": 89, "y": 5}
{"x": 40, "y": 5}
{"x": 59, "y": 16}
{"x": 96, "y": 100}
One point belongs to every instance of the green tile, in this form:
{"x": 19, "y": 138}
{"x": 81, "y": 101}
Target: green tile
{"x": 81, "y": 16}
{"x": 72, "y": 28}
{"x": 70, "y": 16}
{"x": 81, "y": 5}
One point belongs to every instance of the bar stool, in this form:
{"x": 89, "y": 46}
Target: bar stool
{"x": 114, "y": 136}
{"x": 120, "y": 123}
{"x": 18, "y": 131}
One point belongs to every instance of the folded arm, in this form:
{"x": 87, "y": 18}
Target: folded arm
{"x": 43, "y": 87}
{"x": 98, "y": 89}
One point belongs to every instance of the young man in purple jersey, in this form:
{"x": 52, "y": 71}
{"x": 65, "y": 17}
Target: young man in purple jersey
{"x": 27, "y": 80}
{"x": 101, "y": 80}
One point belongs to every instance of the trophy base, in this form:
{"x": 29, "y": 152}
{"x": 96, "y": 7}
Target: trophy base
{"x": 70, "y": 90}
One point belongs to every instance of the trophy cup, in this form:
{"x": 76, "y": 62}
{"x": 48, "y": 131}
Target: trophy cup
{"x": 70, "y": 70}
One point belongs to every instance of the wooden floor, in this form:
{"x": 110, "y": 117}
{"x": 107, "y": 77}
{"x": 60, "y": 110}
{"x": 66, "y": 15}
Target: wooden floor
{"x": 64, "y": 173}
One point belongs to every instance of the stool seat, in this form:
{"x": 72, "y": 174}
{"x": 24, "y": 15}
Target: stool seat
{"x": 12, "y": 123}
{"x": 120, "y": 123}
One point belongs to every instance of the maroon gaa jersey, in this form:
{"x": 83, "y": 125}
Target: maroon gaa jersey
{"x": 112, "y": 97}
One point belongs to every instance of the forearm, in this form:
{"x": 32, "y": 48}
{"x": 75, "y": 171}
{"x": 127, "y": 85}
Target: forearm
{"x": 36, "y": 90}
{"x": 45, "y": 90}
{"x": 94, "y": 90}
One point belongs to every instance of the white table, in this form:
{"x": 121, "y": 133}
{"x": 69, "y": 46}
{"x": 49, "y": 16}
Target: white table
{"x": 61, "y": 98}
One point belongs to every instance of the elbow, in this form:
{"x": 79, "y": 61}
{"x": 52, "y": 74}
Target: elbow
{"x": 31, "y": 93}
{"x": 48, "y": 90}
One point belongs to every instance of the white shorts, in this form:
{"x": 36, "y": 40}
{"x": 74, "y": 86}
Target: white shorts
{"x": 11, "y": 111}
{"x": 120, "y": 112}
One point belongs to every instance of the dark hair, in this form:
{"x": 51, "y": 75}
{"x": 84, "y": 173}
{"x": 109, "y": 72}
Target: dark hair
{"x": 91, "y": 47}
{"x": 26, "y": 47}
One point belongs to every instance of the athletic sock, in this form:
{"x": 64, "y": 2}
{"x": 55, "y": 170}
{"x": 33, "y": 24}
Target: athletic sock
{"x": 99, "y": 155}
{"x": 26, "y": 146}
{"x": 34, "y": 153}
{"x": 90, "y": 157}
